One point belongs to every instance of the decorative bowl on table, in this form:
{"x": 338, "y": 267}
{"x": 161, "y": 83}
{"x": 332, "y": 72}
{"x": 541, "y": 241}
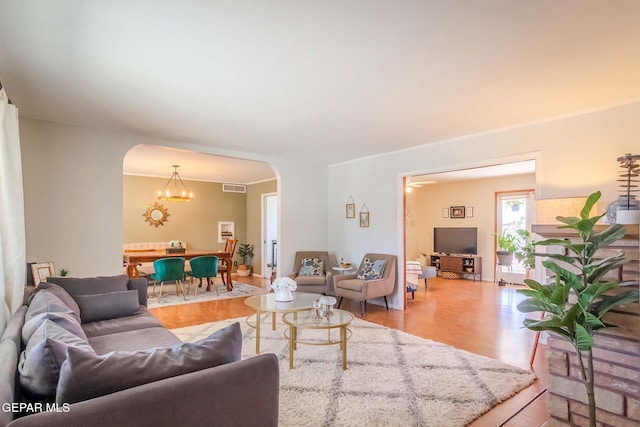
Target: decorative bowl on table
{"x": 345, "y": 264}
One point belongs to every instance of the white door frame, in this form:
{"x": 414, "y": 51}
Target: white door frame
{"x": 266, "y": 243}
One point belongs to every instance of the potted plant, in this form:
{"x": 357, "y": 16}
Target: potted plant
{"x": 525, "y": 250}
{"x": 507, "y": 245}
{"x": 575, "y": 302}
{"x": 245, "y": 250}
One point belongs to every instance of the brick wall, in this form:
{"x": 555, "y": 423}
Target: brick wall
{"x": 616, "y": 357}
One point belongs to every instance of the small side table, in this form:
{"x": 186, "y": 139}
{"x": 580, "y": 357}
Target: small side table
{"x": 343, "y": 269}
{"x": 339, "y": 320}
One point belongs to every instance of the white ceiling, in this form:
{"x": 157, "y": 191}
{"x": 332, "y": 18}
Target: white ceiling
{"x": 507, "y": 169}
{"x": 356, "y": 78}
{"x": 151, "y": 160}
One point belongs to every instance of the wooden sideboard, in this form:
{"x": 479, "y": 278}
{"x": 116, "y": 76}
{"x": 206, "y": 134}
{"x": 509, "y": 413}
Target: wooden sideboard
{"x": 460, "y": 264}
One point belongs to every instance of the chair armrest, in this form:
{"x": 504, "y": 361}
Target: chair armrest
{"x": 339, "y": 277}
{"x": 210, "y": 397}
{"x": 292, "y": 275}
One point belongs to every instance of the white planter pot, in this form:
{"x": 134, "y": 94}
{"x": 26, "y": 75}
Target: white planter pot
{"x": 284, "y": 295}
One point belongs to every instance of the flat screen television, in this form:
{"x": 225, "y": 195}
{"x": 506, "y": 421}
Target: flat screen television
{"x": 455, "y": 240}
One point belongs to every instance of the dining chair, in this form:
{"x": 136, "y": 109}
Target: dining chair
{"x": 204, "y": 267}
{"x": 168, "y": 270}
{"x": 229, "y": 246}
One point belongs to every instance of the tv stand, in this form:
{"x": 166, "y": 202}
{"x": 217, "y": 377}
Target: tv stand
{"x": 465, "y": 265}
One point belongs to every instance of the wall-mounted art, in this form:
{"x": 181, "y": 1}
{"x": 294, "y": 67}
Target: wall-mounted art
{"x": 364, "y": 216}
{"x": 456, "y": 212}
{"x": 351, "y": 208}
{"x": 156, "y": 214}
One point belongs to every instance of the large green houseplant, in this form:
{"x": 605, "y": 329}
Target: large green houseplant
{"x": 575, "y": 302}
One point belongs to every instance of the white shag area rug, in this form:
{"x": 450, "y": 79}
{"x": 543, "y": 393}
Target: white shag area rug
{"x": 169, "y": 296}
{"x": 392, "y": 378}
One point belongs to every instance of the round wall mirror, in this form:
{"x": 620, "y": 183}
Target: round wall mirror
{"x": 156, "y": 214}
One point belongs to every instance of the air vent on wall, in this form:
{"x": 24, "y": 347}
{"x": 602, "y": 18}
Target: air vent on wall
{"x": 234, "y": 188}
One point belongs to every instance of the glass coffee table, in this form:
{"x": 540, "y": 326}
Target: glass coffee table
{"x": 266, "y": 303}
{"x": 339, "y": 319}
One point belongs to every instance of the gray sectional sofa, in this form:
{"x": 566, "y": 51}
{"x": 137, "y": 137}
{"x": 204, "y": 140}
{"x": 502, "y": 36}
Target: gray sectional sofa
{"x": 86, "y": 352}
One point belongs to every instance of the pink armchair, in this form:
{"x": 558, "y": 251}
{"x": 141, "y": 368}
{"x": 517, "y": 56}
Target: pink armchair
{"x": 368, "y": 285}
{"x": 310, "y": 278}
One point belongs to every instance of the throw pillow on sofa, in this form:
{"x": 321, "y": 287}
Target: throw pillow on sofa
{"x": 108, "y": 306}
{"x": 40, "y": 362}
{"x": 58, "y": 291}
{"x": 85, "y": 375}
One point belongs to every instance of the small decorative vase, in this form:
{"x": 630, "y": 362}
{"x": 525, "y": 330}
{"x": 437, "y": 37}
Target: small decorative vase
{"x": 284, "y": 295}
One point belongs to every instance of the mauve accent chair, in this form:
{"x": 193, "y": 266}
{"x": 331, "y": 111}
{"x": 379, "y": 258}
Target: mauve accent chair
{"x": 309, "y": 279}
{"x": 350, "y": 286}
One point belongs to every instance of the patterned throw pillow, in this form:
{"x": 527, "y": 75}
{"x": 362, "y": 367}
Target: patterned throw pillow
{"x": 372, "y": 269}
{"x": 312, "y": 267}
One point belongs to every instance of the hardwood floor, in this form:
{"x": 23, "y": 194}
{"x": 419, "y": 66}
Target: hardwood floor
{"x": 479, "y": 317}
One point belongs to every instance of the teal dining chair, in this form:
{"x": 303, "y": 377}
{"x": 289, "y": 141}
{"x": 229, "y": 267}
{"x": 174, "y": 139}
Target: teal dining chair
{"x": 204, "y": 267}
{"x": 168, "y": 270}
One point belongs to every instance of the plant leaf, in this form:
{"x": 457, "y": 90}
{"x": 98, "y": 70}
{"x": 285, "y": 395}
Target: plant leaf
{"x": 610, "y": 301}
{"x": 589, "y": 204}
{"x": 584, "y": 341}
{"x": 531, "y": 305}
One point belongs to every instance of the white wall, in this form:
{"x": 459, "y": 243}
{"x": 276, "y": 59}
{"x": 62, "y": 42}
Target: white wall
{"x": 575, "y": 156}
{"x": 73, "y": 196}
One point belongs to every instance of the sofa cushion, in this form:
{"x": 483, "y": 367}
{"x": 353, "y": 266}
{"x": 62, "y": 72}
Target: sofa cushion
{"x": 136, "y": 340}
{"x": 61, "y": 293}
{"x": 371, "y": 269}
{"x": 13, "y": 331}
{"x": 67, "y": 321}
{"x": 109, "y": 305}
{"x": 142, "y": 320}
{"x": 311, "y": 267}
{"x": 39, "y": 365}
{"x": 9, "y": 357}
{"x": 91, "y": 285}
{"x": 85, "y": 376}
{"x": 46, "y": 305}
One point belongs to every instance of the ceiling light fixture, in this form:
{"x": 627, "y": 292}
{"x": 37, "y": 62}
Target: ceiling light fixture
{"x": 176, "y": 195}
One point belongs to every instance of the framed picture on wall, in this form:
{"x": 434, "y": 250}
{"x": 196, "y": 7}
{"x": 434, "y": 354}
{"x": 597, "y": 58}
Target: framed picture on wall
{"x": 456, "y": 212}
{"x": 41, "y": 271}
{"x": 364, "y": 219}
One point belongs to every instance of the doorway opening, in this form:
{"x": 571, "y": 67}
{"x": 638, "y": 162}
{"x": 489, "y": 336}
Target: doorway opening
{"x": 514, "y": 211}
{"x": 269, "y": 234}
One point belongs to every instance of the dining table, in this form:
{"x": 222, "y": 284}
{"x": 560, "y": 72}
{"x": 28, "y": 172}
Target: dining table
{"x": 133, "y": 258}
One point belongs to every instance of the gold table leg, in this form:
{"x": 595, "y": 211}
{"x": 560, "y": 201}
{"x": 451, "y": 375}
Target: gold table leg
{"x": 292, "y": 340}
{"x": 273, "y": 321}
{"x": 343, "y": 344}
{"x": 258, "y": 331}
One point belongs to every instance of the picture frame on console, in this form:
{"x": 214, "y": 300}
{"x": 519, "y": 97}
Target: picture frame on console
{"x": 456, "y": 212}
{"x": 41, "y": 271}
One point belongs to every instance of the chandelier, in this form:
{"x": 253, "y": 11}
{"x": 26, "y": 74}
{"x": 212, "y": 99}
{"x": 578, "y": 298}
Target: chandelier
{"x": 176, "y": 195}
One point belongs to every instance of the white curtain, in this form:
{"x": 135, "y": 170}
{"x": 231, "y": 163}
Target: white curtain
{"x": 12, "y": 232}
